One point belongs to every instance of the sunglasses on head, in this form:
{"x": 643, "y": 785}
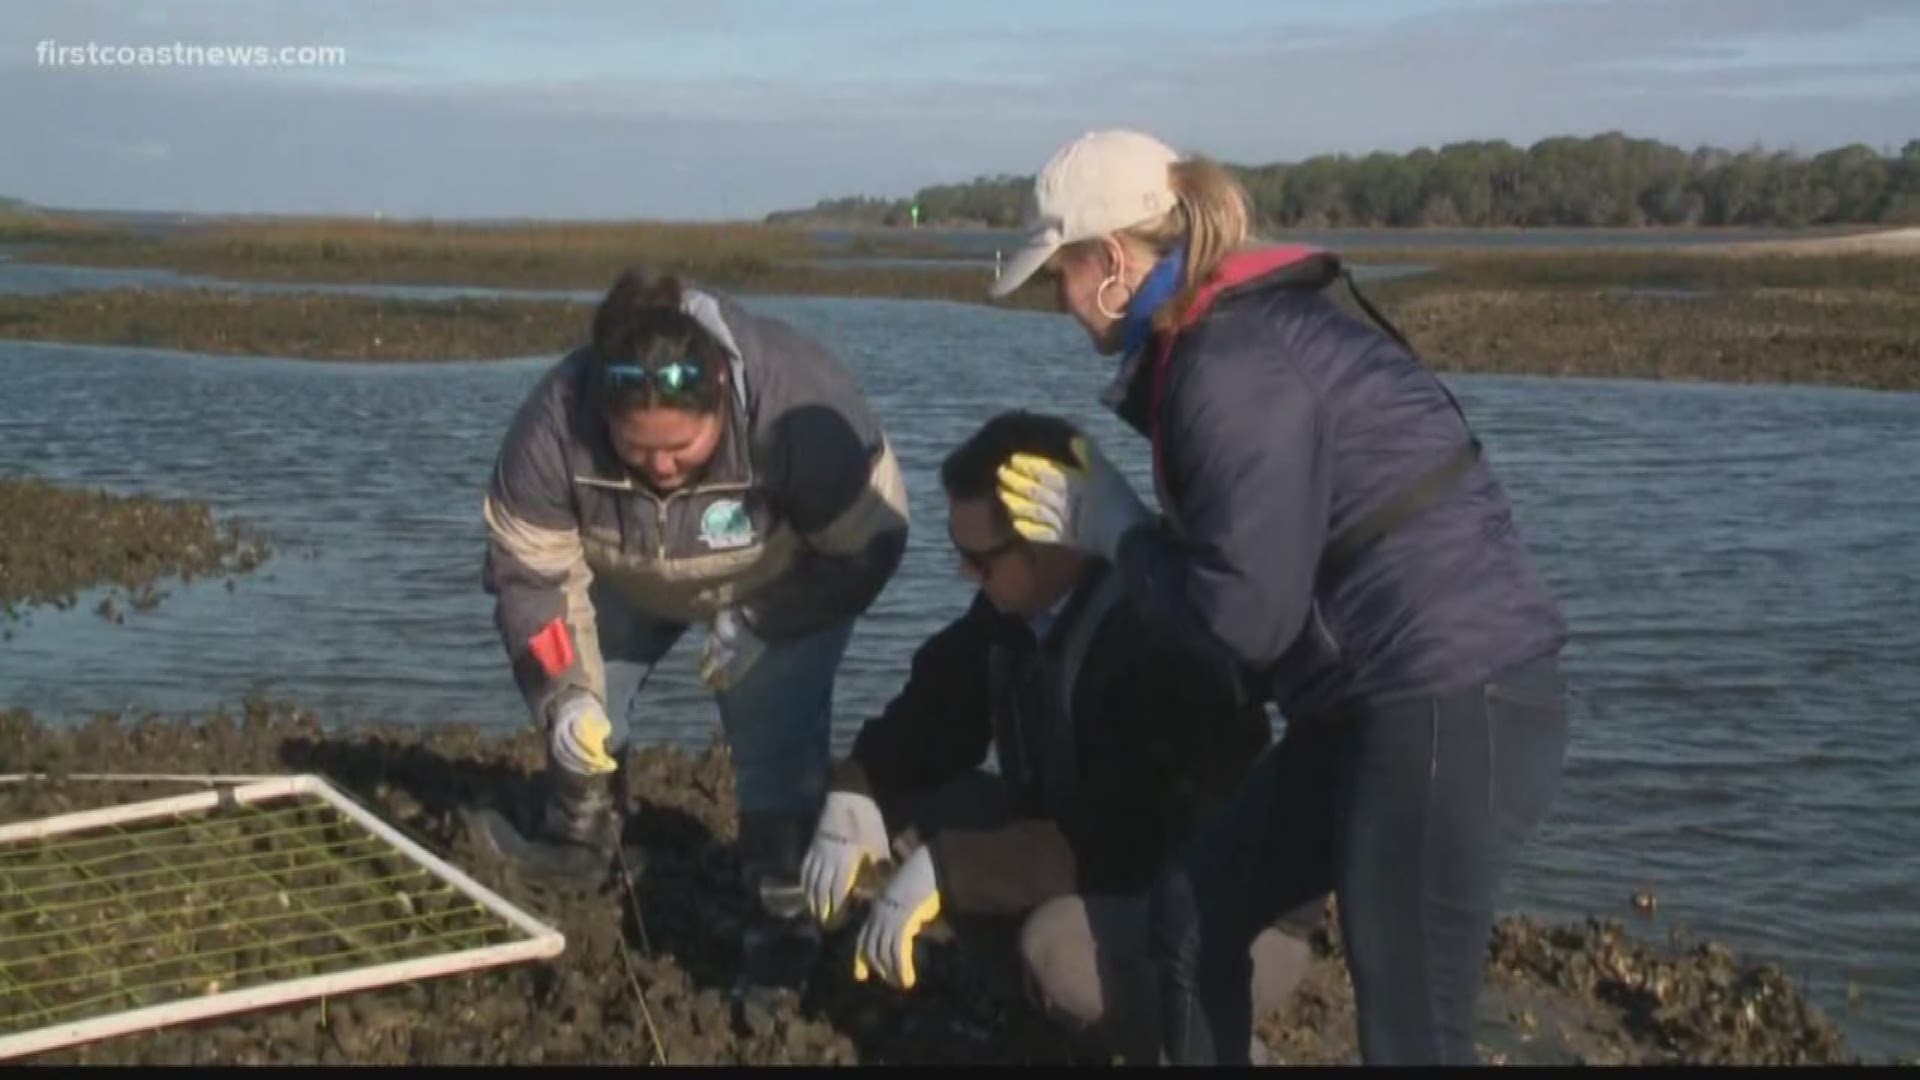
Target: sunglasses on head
{"x": 981, "y": 561}
{"x": 676, "y": 378}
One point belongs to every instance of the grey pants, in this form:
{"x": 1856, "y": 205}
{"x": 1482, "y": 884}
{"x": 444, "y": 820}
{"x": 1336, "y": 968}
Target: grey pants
{"x": 1085, "y": 961}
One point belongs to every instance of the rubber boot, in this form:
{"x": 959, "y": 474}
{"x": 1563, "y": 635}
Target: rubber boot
{"x": 780, "y": 942}
{"x": 574, "y": 839}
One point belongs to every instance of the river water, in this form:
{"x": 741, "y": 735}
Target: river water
{"x": 1740, "y": 568}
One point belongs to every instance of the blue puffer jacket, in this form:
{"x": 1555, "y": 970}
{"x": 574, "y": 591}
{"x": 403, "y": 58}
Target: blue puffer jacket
{"x": 1279, "y": 421}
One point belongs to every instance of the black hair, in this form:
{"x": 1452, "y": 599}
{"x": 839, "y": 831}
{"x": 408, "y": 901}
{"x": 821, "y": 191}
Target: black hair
{"x": 969, "y": 472}
{"x": 641, "y": 322}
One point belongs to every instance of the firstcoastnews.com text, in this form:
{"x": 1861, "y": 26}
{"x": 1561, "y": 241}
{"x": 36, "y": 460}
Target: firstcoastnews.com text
{"x": 53, "y": 54}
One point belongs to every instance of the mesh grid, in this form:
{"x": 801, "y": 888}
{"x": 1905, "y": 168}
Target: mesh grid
{"x": 167, "y": 909}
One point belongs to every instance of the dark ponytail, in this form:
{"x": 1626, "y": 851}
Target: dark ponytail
{"x": 641, "y": 322}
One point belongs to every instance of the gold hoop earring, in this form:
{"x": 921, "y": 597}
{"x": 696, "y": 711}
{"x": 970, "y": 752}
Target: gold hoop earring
{"x": 1100, "y": 297}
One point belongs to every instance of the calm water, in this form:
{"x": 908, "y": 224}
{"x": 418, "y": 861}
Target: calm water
{"x": 1740, "y": 567}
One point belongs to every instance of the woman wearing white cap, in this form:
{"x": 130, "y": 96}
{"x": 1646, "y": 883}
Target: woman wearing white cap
{"x": 1330, "y": 530}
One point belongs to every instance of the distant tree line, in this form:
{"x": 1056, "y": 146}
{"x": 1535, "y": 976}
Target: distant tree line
{"x": 1605, "y": 181}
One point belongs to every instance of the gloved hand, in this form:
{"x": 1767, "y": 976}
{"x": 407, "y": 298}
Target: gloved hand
{"x": 579, "y": 736}
{"x": 910, "y": 902}
{"x": 850, "y": 834}
{"x": 732, "y": 648}
{"x": 1090, "y": 507}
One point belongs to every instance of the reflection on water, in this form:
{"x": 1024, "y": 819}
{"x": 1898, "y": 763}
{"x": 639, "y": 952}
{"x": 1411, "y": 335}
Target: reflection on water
{"x": 1739, "y": 567}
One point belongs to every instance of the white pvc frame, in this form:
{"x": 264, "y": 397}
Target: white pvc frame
{"x": 203, "y": 779}
{"x": 543, "y": 942}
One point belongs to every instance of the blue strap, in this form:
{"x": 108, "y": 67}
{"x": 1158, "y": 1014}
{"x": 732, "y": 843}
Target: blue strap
{"x": 1159, "y": 286}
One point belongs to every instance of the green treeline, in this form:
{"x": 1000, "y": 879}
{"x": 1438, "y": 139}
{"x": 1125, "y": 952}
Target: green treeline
{"x": 1605, "y": 181}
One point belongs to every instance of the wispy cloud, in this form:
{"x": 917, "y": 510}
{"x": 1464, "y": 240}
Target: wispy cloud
{"x": 605, "y": 109}
{"x": 136, "y": 150}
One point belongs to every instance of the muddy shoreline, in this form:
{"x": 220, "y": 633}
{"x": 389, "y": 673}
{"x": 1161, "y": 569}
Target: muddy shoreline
{"x": 1587, "y": 993}
{"x": 1850, "y": 319}
{"x": 1827, "y": 337}
{"x": 58, "y": 541}
{"x": 310, "y": 327}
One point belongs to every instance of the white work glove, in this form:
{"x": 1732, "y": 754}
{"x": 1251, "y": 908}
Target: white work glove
{"x": 731, "y": 650}
{"x": 579, "y": 736}
{"x": 1090, "y": 507}
{"x": 910, "y": 902}
{"x": 851, "y": 833}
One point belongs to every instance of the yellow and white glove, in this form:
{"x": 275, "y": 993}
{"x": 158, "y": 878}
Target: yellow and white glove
{"x": 911, "y": 901}
{"x": 851, "y": 834}
{"x": 1090, "y": 507}
{"x": 730, "y": 651}
{"x": 578, "y": 736}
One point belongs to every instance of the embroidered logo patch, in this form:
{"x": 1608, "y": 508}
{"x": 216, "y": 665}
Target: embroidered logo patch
{"x": 725, "y": 526}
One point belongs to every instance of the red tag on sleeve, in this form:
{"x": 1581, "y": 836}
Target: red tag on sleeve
{"x": 553, "y": 648}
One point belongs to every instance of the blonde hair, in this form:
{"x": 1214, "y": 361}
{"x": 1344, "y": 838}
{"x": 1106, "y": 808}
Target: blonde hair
{"x": 1213, "y": 216}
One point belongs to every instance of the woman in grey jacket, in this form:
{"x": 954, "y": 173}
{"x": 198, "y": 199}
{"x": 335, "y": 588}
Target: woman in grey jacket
{"x": 695, "y": 463}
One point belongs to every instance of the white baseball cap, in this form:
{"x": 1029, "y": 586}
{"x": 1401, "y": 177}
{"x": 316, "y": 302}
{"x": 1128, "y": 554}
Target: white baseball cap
{"x": 1099, "y": 183}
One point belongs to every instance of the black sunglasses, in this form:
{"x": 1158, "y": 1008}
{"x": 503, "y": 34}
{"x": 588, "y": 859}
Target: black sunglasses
{"x": 981, "y": 561}
{"x": 674, "y": 379}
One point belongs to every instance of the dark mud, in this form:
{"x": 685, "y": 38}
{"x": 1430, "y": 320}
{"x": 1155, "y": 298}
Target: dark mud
{"x": 330, "y": 327}
{"x": 543, "y": 255}
{"x": 23, "y": 225}
{"x": 1834, "y": 337}
{"x": 1827, "y": 320}
{"x": 1731, "y": 316}
{"x": 56, "y": 542}
{"x": 646, "y": 971}
{"x": 300, "y": 327}
{"x": 753, "y": 262}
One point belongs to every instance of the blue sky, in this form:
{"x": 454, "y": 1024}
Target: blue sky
{"x": 731, "y": 108}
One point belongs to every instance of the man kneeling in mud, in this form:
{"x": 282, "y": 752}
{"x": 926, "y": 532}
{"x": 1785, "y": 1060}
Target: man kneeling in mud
{"x": 1108, "y": 742}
